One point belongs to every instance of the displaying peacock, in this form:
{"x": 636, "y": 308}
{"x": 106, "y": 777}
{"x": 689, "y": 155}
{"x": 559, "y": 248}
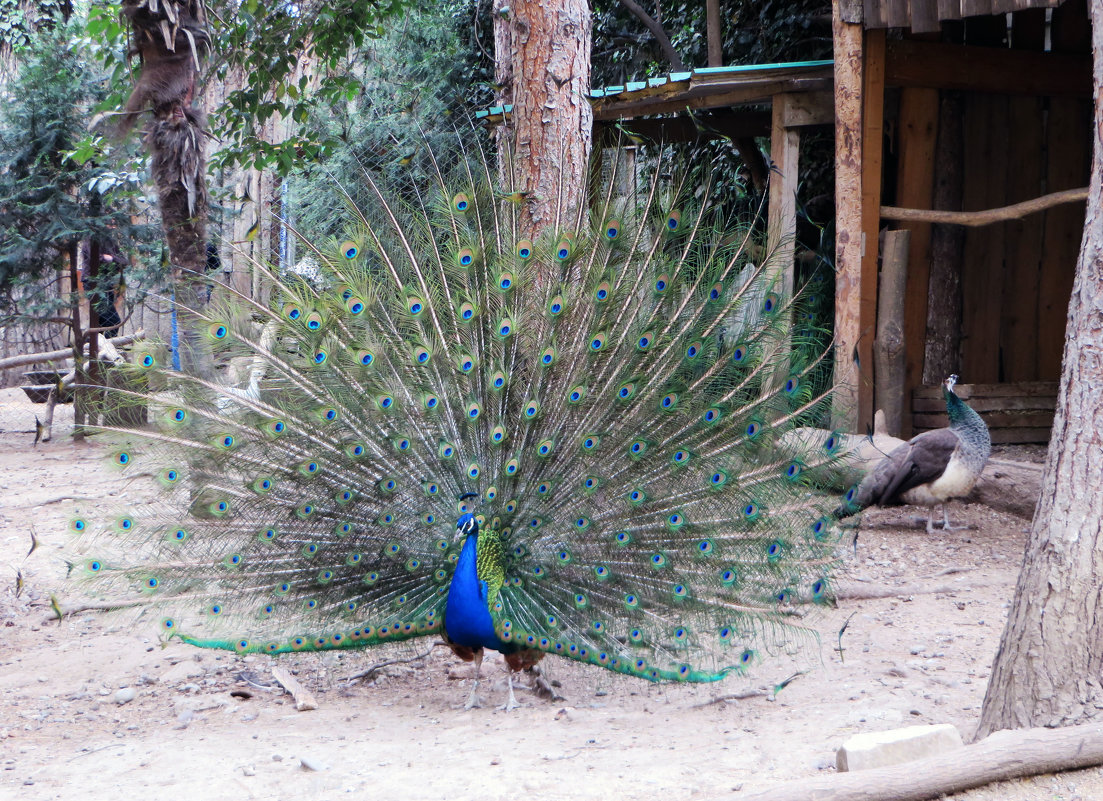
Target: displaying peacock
{"x": 565, "y": 444}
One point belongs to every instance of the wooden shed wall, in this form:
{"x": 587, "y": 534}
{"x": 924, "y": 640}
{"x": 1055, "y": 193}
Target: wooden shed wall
{"x": 1016, "y": 276}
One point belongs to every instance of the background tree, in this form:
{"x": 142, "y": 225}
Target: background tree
{"x": 53, "y": 198}
{"x": 1049, "y": 667}
{"x": 548, "y": 62}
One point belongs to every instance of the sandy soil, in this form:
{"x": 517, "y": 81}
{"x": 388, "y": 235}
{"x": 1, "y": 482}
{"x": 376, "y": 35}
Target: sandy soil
{"x": 207, "y": 725}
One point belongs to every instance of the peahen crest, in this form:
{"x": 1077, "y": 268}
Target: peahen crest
{"x": 603, "y": 403}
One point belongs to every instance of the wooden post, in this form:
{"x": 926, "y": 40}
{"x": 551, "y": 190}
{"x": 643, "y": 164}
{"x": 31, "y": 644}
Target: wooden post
{"x": 848, "y": 213}
{"x": 918, "y": 131}
{"x": 890, "y": 392}
{"x": 714, "y": 33}
{"x": 873, "y": 102}
{"x": 859, "y": 95}
{"x": 782, "y": 223}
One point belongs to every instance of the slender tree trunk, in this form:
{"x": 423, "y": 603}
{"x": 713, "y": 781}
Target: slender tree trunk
{"x": 171, "y": 40}
{"x": 1049, "y": 667}
{"x": 552, "y": 120}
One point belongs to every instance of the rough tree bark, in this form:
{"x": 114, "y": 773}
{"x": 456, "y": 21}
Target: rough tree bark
{"x": 171, "y": 40}
{"x": 1049, "y": 667}
{"x": 552, "y": 122}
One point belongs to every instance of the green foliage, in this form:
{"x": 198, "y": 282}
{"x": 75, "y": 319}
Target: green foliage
{"x": 752, "y": 31}
{"x": 17, "y": 31}
{"x": 414, "y": 94}
{"x": 266, "y": 42}
{"x": 50, "y": 198}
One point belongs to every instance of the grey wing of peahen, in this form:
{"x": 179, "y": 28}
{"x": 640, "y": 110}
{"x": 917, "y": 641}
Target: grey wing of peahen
{"x": 613, "y": 393}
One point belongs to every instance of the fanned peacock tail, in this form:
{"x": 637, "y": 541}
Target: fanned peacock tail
{"x": 608, "y": 398}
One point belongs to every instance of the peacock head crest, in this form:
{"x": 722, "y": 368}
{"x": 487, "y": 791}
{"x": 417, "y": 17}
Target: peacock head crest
{"x": 467, "y": 525}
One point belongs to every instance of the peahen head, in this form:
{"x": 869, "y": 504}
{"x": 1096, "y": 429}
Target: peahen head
{"x": 963, "y": 419}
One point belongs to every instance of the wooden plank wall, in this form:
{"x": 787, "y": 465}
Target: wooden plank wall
{"x": 1017, "y": 276}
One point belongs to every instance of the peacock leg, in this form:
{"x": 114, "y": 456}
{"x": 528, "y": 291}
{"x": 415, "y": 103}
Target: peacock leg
{"x": 473, "y": 700}
{"x": 511, "y": 701}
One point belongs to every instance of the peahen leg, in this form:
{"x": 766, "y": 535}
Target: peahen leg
{"x": 930, "y": 518}
{"x": 946, "y": 522}
{"x": 473, "y": 700}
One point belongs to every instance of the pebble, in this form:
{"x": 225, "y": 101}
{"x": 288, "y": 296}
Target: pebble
{"x": 309, "y": 763}
{"x": 125, "y": 695}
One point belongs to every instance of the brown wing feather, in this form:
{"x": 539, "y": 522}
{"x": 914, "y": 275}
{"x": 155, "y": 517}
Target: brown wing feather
{"x": 925, "y": 460}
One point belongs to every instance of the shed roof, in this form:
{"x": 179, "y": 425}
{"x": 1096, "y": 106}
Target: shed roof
{"x": 705, "y": 87}
{"x": 925, "y": 16}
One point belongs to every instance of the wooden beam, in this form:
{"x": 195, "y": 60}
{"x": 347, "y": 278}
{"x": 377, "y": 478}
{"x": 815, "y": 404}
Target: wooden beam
{"x": 976, "y": 219}
{"x": 733, "y": 123}
{"x": 918, "y": 132}
{"x": 808, "y": 108}
{"x": 782, "y": 222}
{"x": 707, "y": 95}
{"x": 848, "y": 49}
{"x": 935, "y": 65}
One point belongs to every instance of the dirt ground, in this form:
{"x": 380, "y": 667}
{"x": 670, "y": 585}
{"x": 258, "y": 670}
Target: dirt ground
{"x": 208, "y": 725}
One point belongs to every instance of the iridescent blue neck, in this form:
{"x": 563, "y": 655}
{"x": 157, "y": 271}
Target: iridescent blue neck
{"x": 467, "y": 615}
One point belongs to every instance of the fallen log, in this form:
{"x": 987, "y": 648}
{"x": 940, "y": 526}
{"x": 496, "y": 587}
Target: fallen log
{"x": 998, "y": 757}
{"x": 64, "y": 353}
{"x": 1006, "y": 485}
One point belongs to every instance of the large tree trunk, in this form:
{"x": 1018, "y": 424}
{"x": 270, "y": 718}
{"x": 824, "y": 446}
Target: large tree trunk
{"x": 1048, "y": 668}
{"x": 549, "y": 54}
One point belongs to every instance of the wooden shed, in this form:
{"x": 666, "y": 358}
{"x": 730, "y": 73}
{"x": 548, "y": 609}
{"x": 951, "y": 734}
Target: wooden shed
{"x": 950, "y": 117}
{"x": 961, "y": 106}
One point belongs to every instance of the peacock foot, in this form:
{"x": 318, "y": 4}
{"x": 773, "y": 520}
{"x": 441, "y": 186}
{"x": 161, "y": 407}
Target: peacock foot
{"x": 511, "y": 700}
{"x": 473, "y": 700}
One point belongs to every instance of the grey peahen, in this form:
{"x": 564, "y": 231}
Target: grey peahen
{"x": 930, "y": 468}
{"x": 562, "y": 443}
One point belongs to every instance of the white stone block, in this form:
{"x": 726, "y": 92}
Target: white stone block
{"x": 881, "y": 748}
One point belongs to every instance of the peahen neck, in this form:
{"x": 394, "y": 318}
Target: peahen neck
{"x": 970, "y": 428}
{"x": 473, "y": 591}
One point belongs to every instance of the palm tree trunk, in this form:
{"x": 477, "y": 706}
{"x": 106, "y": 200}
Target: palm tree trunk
{"x": 171, "y": 41}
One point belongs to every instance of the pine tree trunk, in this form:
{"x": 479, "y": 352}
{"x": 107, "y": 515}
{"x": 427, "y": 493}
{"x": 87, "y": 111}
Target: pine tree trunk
{"x": 552, "y": 120}
{"x": 1048, "y": 668}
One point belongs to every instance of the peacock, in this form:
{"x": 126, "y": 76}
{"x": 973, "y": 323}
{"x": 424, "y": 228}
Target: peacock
{"x": 931, "y": 468}
{"x": 561, "y": 442}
